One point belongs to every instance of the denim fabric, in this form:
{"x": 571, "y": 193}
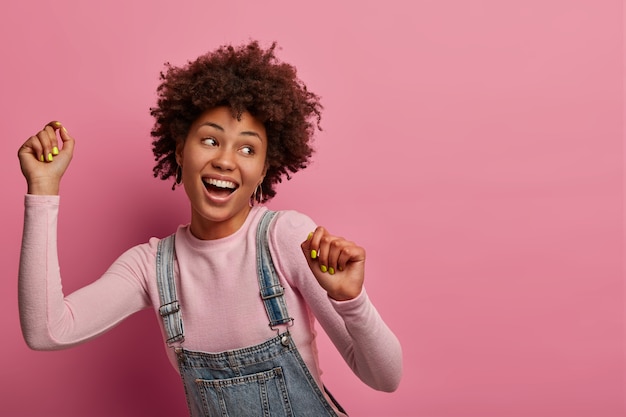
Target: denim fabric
{"x": 271, "y": 290}
{"x": 269, "y": 379}
{"x": 170, "y": 308}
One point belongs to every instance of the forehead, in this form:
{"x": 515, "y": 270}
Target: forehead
{"x": 222, "y": 119}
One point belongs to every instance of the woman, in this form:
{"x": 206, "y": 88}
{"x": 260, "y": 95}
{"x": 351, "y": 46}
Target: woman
{"x": 237, "y": 290}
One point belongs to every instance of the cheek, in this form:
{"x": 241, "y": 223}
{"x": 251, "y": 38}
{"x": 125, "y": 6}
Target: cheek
{"x": 187, "y": 166}
{"x": 193, "y": 158}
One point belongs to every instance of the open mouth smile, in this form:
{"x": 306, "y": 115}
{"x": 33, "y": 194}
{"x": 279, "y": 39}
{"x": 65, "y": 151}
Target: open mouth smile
{"x": 219, "y": 188}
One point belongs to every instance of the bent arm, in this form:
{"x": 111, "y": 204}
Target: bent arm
{"x": 366, "y": 343}
{"x": 50, "y": 320}
{"x": 355, "y": 327}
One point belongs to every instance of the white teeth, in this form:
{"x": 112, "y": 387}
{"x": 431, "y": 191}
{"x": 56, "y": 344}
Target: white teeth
{"x": 220, "y": 183}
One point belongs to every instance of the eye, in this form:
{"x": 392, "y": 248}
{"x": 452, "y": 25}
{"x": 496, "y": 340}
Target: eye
{"x": 248, "y": 150}
{"x": 209, "y": 141}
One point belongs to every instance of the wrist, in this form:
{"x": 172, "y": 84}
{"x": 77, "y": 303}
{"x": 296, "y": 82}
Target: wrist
{"x": 345, "y": 295}
{"x": 43, "y": 187}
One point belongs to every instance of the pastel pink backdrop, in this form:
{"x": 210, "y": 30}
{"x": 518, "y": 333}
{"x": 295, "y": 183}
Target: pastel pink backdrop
{"x": 475, "y": 148}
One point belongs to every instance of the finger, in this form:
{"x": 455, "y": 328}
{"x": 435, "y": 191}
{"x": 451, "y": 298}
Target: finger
{"x": 311, "y": 247}
{"x": 350, "y": 253}
{"x": 45, "y": 139}
{"x": 32, "y": 147}
{"x": 314, "y": 242}
{"x": 53, "y": 149}
{"x": 55, "y": 125}
{"x": 54, "y": 141}
{"x": 306, "y": 245}
{"x": 324, "y": 251}
{"x": 335, "y": 251}
{"x": 310, "y": 254}
{"x": 342, "y": 261}
{"x": 68, "y": 141}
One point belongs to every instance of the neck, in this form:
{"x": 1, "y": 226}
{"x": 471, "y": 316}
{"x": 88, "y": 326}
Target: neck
{"x": 210, "y": 229}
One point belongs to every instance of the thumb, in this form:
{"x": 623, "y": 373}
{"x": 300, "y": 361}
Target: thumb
{"x": 68, "y": 141}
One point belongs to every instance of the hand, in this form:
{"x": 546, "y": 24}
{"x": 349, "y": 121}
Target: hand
{"x": 42, "y": 162}
{"x": 338, "y": 264}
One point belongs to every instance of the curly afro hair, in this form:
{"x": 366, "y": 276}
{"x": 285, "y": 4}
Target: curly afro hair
{"x": 244, "y": 78}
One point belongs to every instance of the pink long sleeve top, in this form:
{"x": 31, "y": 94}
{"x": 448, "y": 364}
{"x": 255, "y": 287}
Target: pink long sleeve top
{"x": 218, "y": 291}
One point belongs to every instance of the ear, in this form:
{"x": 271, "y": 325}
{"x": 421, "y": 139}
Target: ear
{"x": 267, "y": 165}
{"x": 180, "y": 146}
{"x": 263, "y": 175}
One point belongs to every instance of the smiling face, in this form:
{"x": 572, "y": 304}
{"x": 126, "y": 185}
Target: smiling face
{"x": 223, "y": 161}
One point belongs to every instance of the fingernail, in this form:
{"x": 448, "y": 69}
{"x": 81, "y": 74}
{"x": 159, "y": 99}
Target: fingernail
{"x": 57, "y": 123}
{"x": 340, "y": 268}
{"x": 331, "y": 270}
{"x": 55, "y": 151}
{"x": 323, "y": 268}
{"x": 41, "y": 158}
{"x": 310, "y": 236}
{"x": 313, "y": 254}
{"x": 49, "y": 157}
{"x": 64, "y": 129}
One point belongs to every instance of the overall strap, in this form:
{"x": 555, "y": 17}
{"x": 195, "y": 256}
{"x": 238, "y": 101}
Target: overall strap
{"x": 271, "y": 290}
{"x": 170, "y": 307}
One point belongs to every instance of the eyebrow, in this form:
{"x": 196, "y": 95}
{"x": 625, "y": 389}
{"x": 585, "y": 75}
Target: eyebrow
{"x": 221, "y": 129}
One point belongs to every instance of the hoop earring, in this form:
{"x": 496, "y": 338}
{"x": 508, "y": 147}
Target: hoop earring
{"x": 179, "y": 175}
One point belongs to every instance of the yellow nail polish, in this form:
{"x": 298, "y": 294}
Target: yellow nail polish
{"x": 323, "y": 268}
{"x": 41, "y": 158}
{"x": 49, "y": 157}
{"x": 331, "y": 270}
{"x": 55, "y": 151}
{"x": 310, "y": 236}
{"x": 313, "y": 254}
{"x": 57, "y": 123}
{"x": 340, "y": 268}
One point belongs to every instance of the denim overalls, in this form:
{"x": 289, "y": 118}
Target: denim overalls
{"x": 269, "y": 379}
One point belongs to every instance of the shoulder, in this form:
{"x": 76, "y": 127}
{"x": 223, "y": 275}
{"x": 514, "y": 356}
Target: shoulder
{"x": 138, "y": 264}
{"x": 291, "y": 225}
{"x": 141, "y": 256}
{"x": 287, "y": 232}
{"x": 138, "y": 257}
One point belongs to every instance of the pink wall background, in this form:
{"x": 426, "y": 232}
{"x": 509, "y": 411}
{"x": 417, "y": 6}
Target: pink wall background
{"x": 475, "y": 148}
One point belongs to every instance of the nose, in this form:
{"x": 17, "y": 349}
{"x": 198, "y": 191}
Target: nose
{"x": 224, "y": 160}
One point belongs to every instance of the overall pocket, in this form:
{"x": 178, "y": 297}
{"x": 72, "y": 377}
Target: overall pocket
{"x": 261, "y": 394}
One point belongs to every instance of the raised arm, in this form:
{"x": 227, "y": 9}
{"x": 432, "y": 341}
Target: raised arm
{"x": 49, "y": 319}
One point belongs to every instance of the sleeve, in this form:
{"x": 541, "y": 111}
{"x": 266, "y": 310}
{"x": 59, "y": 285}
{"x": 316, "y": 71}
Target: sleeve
{"x": 53, "y": 321}
{"x": 355, "y": 327}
